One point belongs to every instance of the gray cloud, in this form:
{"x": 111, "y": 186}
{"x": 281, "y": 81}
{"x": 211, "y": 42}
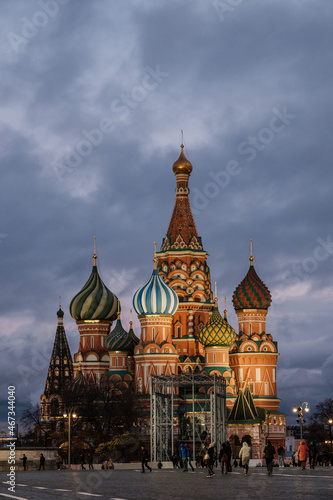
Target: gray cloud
{"x": 224, "y": 79}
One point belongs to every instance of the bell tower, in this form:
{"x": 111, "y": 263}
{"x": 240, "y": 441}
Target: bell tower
{"x": 182, "y": 263}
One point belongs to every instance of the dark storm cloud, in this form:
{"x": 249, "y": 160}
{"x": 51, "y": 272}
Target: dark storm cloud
{"x": 147, "y": 70}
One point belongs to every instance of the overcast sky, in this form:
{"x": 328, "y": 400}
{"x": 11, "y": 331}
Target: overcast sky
{"x": 94, "y": 95}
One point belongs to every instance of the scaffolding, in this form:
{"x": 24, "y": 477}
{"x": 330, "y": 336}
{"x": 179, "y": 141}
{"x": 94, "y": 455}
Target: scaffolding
{"x": 164, "y": 389}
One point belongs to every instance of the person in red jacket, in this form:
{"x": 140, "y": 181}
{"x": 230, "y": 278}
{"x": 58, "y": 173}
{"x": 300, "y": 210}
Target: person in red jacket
{"x": 302, "y": 454}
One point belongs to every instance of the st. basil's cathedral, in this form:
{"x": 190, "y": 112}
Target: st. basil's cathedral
{"x": 182, "y": 331}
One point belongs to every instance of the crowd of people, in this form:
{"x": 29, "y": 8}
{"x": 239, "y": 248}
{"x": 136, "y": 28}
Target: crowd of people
{"x": 210, "y": 458}
{"x": 316, "y": 457}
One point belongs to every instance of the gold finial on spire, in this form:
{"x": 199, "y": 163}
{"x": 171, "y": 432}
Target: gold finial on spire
{"x": 118, "y": 309}
{"x": 251, "y": 258}
{"x": 131, "y": 322}
{"x": 59, "y": 301}
{"x": 215, "y": 299}
{"x": 155, "y": 256}
{"x": 95, "y": 254}
{"x": 182, "y": 165}
{"x": 225, "y": 308}
{"x": 80, "y": 362}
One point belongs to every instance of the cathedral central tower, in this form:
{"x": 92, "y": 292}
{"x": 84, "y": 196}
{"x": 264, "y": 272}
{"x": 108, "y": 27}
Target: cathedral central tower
{"x": 182, "y": 263}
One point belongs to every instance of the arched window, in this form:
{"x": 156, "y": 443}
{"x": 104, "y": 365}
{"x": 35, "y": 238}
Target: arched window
{"x": 54, "y": 408}
{"x": 92, "y": 342}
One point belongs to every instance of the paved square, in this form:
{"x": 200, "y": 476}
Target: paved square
{"x": 171, "y": 484}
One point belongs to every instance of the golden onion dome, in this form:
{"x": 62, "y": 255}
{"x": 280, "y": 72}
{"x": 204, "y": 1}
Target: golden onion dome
{"x": 217, "y": 331}
{"x": 182, "y": 165}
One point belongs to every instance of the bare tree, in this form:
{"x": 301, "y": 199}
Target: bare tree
{"x": 35, "y": 431}
{"x": 320, "y": 427}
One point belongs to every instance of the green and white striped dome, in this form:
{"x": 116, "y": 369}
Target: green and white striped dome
{"x": 95, "y": 301}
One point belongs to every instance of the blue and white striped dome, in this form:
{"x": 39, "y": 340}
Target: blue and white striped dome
{"x": 155, "y": 297}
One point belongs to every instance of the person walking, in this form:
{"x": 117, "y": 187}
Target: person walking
{"x": 144, "y": 459}
{"x": 281, "y": 456}
{"x": 269, "y": 453}
{"x": 229, "y": 469}
{"x": 183, "y": 455}
{"x": 91, "y": 462}
{"x": 210, "y": 465}
{"x": 302, "y": 454}
{"x": 294, "y": 459}
{"x": 24, "y": 461}
{"x": 41, "y": 462}
{"x": 223, "y": 458}
{"x": 189, "y": 453}
{"x": 312, "y": 454}
{"x": 58, "y": 460}
{"x": 244, "y": 455}
{"x": 174, "y": 460}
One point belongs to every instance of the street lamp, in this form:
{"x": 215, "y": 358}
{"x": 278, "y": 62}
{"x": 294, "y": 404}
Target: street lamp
{"x": 299, "y": 410}
{"x": 70, "y": 415}
{"x": 267, "y": 427}
{"x": 330, "y": 422}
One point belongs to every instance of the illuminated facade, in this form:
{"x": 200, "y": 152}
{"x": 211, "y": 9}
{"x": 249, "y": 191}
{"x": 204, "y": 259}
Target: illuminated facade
{"x": 182, "y": 330}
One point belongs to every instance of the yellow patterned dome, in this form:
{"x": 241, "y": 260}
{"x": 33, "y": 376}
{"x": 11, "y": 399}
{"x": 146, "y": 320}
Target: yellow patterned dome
{"x": 182, "y": 165}
{"x": 217, "y": 331}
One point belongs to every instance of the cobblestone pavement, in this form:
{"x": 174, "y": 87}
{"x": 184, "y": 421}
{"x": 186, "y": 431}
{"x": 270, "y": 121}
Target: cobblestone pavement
{"x": 171, "y": 484}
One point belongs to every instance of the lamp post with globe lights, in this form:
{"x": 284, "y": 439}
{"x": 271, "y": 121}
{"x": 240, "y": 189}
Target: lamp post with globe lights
{"x": 330, "y": 422}
{"x": 69, "y": 415}
{"x": 300, "y": 409}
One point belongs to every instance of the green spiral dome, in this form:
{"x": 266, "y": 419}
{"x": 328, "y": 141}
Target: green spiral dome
{"x": 95, "y": 301}
{"x": 217, "y": 331}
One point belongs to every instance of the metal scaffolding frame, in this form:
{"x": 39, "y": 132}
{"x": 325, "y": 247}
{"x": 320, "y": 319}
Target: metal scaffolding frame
{"x": 163, "y": 390}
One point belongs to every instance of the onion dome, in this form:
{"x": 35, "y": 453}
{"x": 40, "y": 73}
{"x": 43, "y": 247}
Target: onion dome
{"x": 120, "y": 340}
{"x": 155, "y": 297}
{"x": 131, "y": 332}
{"x": 60, "y": 313}
{"x": 80, "y": 382}
{"x": 217, "y": 331}
{"x": 251, "y": 293}
{"x": 182, "y": 165}
{"x": 95, "y": 301}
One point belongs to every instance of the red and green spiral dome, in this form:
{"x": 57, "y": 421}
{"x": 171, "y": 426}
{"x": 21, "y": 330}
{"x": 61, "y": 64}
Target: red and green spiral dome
{"x": 251, "y": 293}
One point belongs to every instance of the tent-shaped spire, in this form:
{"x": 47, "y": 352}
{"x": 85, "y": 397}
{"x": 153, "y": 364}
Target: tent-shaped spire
{"x": 249, "y": 399}
{"x": 243, "y": 409}
{"x": 61, "y": 364}
{"x": 182, "y": 233}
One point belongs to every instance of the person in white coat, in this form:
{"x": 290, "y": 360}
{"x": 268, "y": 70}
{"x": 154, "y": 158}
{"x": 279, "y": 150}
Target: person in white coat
{"x": 244, "y": 454}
